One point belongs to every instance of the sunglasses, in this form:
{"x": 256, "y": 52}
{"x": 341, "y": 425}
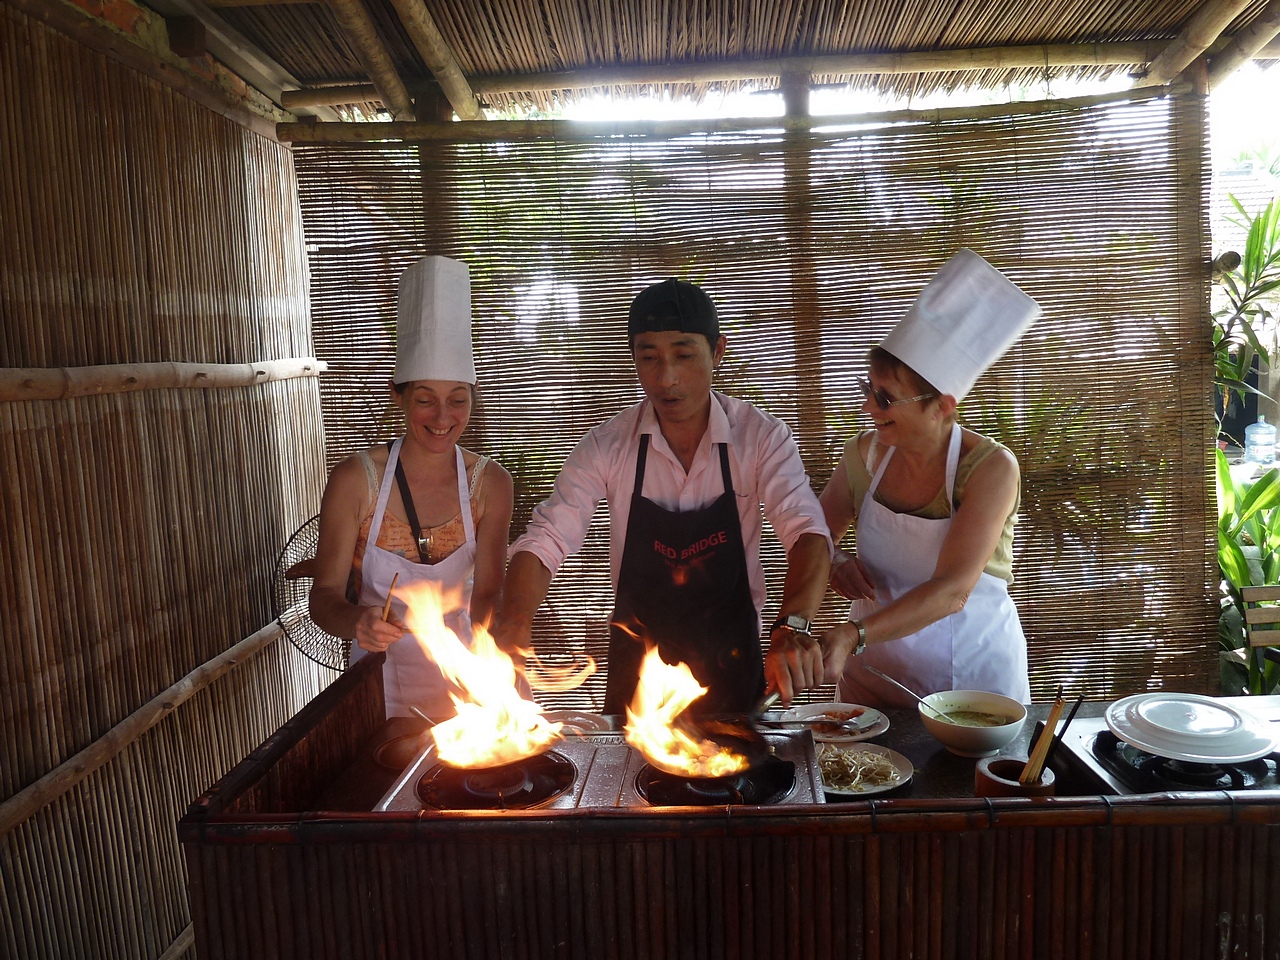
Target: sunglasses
{"x": 882, "y": 399}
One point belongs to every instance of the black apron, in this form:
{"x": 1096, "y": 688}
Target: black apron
{"x": 683, "y": 585}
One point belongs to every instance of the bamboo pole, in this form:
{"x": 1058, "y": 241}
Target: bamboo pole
{"x": 60, "y": 383}
{"x": 936, "y": 61}
{"x": 1196, "y": 37}
{"x": 62, "y": 778}
{"x": 571, "y": 130}
{"x": 1246, "y": 44}
{"x": 356, "y": 24}
{"x": 439, "y": 58}
{"x": 328, "y": 96}
{"x": 853, "y": 64}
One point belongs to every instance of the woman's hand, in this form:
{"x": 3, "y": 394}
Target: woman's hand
{"x": 837, "y": 644}
{"x": 375, "y": 634}
{"x": 850, "y": 578}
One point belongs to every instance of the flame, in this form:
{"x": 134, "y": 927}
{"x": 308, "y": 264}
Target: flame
{"x": 662, "y": 694}
{"x": 495, "y": 724}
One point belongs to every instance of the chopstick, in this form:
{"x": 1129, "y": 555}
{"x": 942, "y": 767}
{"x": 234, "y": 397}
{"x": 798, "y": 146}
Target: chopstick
{"x": 386, "y": 607}
{"x": 1053, "y": 748}
{"x": 1035, "y": 764}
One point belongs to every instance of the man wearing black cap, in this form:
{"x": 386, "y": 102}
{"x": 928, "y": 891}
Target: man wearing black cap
{"x": 685, "y": 473}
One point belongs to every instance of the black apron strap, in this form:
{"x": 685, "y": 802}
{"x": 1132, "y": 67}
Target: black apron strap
{"x": 641, "y": 457}
{"x": 407, "y": 499}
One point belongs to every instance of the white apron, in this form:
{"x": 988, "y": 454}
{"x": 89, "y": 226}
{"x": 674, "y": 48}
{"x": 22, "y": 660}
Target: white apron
{"x": 409, "y": 677}
{"x": 980, "y": 648}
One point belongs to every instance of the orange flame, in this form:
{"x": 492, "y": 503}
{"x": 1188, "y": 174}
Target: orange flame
{"x": 495, "y": 724}
{"x": 662, "y": 694}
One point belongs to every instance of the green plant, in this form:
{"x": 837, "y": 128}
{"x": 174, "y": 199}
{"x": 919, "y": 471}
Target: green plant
{"x": 1249, "y": 283}
{"x": 1248, "y": 554}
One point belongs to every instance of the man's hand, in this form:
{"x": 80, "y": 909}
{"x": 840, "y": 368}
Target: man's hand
{"x": 794, "y": 663}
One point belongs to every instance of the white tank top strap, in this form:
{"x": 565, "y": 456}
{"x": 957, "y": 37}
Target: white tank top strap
{"x": 475, "y": 474}
{"x": 370, "y": 473}
{"x": 464, "y": 497}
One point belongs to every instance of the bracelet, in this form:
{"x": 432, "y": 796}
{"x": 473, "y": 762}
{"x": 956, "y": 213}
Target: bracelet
{"x": 862, "y": 636}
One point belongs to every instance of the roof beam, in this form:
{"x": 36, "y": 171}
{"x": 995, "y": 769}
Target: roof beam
{"x": 438, "y": 58}
{"x": 575, "y": 130}
{"x": 923, "y": 61}
{"x": 357, "y": 25}
{"x": 934, "y": 61}
{"x": 1196, "y": 37}
{"x": 1246, "y": 44}
{"x": 236, "y": 52}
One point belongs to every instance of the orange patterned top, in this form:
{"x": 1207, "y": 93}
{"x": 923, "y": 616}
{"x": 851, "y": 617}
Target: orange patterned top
{"x": 396, "y": 536}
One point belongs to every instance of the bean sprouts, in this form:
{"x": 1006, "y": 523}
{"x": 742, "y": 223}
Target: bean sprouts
{"x": 855, "y": 769}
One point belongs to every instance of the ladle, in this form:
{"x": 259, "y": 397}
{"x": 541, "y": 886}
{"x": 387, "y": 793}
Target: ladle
{"x": 912, "y": 693}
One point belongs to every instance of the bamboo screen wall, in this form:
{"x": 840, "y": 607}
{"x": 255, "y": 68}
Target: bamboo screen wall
{"x": 813, "y": 245}
{"x": 138, "y": 529}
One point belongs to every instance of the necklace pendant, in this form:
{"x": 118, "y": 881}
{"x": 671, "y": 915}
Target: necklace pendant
{"x": 424, "y": 544}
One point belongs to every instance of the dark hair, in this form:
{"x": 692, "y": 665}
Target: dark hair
{"x": 881, "y": 359}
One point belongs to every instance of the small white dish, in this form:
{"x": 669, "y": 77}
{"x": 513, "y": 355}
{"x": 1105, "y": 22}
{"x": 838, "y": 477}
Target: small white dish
{"x": 577, "y": 722}
{"x": 901, "y": 765}
{"x": 876, "y": 722}
{"x": 1189, "y": 727}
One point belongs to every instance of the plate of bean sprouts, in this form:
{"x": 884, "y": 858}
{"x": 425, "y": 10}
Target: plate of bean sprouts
{"x": 862, "y": 770}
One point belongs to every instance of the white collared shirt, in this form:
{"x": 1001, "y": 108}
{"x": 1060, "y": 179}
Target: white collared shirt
{"x": 763, "y": 459}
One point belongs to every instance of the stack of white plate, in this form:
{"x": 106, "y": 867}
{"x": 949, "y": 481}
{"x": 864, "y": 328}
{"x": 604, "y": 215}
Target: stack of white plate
{"x": 1184, "y": 726}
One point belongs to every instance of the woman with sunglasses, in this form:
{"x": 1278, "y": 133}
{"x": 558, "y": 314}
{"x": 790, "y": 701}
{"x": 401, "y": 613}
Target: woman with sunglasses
{"x": 934, "y": 505}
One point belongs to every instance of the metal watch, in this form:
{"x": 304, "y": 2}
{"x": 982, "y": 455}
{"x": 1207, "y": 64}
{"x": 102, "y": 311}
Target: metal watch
{"x": 862, "y": 637}
{"x": 794, "y": 622}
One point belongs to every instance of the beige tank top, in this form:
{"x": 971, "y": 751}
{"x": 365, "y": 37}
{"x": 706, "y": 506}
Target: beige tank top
{"x": 1001, "y": 563}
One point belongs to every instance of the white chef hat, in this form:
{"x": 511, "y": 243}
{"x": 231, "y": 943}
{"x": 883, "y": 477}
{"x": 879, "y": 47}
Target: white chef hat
{"x": 433, "y": 322}
{"x": 962, "y": 322}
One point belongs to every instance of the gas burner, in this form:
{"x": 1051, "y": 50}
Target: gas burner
{"x": 525, "y": 783}
{"x": 1148, "y": 773}
{"x": 771, "y": 781}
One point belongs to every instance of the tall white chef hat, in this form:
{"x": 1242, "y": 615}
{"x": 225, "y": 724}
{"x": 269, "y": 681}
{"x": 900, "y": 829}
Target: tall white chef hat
{"x": 962, "y": 322}
{"x": 433, "y": 322}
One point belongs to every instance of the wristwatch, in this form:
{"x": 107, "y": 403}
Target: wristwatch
{"x": 862, "y": 637}
{"x": 794, "y": 622}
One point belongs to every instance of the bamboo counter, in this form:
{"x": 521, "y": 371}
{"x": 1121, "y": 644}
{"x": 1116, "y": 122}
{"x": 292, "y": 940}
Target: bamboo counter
{"x": 928, "y": 871}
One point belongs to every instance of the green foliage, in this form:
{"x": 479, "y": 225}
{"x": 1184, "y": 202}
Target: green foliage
{"x": 1251, "y": 290}
{"x": 1248, "y": 554}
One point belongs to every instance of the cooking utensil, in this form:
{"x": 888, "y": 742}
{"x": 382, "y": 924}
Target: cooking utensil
{"x": 386, "y": 607}
{"x": 1053, "y": 747}
{"x": 852, "y": 725}
{"x": 1035, "y": 764}
{"x": 907, "y": 690}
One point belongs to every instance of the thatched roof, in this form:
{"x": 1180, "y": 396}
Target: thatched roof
{"x": 503, "y": 49}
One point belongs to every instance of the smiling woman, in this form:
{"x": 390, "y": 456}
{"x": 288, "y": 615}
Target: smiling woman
{"x": 438, "y": 515}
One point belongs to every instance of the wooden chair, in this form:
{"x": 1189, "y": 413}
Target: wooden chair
{"x": 1262, "y": 620}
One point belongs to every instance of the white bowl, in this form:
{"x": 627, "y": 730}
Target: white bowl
{"x": 972, "y": 741}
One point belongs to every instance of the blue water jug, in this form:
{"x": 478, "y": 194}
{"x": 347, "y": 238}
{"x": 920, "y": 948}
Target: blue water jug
{"x": 1260, "y": 442}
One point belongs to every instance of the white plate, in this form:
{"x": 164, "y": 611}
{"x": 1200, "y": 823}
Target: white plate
{"x": 1184, "y": 726}
{"x": 577, "y": 721}
{"x": 900, "y": 763}
{"x": 879, "y": 722}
